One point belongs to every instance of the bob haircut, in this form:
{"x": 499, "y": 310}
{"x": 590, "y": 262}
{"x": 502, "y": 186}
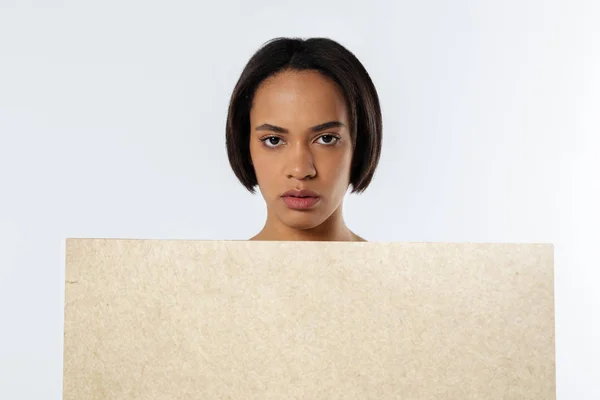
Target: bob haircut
{"x": 332, "y": 60}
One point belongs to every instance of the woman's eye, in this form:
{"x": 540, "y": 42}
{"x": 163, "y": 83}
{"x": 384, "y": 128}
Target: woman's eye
{"x": 272, "y": 141}
{"x": 328, "y": 139}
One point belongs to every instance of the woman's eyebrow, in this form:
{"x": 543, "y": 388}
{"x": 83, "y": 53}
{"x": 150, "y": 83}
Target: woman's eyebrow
{"x": 327, "y": 125}
{"x": 316, "y": 128}
{"x": 271, "y": 128}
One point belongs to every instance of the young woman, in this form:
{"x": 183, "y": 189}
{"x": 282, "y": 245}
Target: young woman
{"x": 304, "y": 125}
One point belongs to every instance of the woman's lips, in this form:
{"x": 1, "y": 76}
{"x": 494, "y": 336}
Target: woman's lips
{"x": 300, "y": 203}
{"x": 300, "y": 199}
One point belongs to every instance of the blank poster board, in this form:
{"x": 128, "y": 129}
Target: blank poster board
{"x": 170, "y": 319}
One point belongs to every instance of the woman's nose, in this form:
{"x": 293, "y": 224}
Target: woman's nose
{"x": 300, "y": 164}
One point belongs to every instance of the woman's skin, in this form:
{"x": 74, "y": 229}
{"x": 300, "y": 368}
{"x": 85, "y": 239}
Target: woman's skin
{"x": 300, "y": 139}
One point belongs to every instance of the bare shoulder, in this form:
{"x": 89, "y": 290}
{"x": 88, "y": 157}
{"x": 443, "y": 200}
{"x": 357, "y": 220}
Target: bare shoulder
{"x": 359, "y": 238}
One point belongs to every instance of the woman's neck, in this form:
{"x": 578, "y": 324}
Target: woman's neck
{"x": 333, "y": 229}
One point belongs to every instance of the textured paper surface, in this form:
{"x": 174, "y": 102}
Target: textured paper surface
{"x": 159, "y": 319}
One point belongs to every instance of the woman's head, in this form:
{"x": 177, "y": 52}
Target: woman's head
{"x": 304, "y": 116}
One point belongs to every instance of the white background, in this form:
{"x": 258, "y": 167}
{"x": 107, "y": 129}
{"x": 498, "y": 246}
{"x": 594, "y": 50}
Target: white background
{"x": 112, "y": 125}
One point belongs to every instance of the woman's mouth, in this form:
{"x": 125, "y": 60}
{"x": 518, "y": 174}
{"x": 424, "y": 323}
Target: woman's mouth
{"x": 300, "y": 199}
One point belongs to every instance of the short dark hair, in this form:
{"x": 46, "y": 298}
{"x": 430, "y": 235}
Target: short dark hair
{"x": 332, "y": 60}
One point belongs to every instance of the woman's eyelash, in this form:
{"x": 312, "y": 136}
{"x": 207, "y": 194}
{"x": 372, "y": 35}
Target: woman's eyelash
{"x": 265, "y": 140}
{"x": 334, "y": 137}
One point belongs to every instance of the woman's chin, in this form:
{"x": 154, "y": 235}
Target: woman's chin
{"x": 302, "y": 221}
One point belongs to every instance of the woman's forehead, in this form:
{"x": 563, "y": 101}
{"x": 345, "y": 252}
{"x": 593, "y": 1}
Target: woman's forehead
{"x": 299, "y": 95}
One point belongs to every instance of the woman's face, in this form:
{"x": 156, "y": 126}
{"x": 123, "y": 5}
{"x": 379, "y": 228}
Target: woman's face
{"x": 301, "y": 147}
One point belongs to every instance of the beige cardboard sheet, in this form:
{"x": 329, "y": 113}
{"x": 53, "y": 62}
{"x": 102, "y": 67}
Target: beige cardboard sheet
{"x": 170, "y": 320}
